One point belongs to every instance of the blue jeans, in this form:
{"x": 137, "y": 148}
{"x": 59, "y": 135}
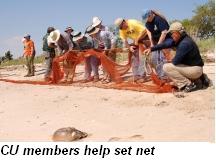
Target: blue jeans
{"x": 158, "y": 60}
{"x": 91, "y": 64}
{"x": 138, "y": 64}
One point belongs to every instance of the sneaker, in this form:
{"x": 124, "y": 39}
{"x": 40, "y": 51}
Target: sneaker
{"x": 189, "y": 88}
{"x": 206, "y": 82}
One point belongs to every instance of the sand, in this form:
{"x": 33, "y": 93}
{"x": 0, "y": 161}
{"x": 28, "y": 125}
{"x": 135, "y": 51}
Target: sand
{"x": 34, "y": 112}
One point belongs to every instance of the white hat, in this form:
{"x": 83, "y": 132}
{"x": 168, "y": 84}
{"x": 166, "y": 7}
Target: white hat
{"x": 118, "y": 21}
{"x": 27, "y": 36}
{"x": 77, "y": 36}
{"x": 96, "y": 21}
{"x": 92, "y": 30}
{"x": 176, "y": 26}
{"x": 54, "y": 36}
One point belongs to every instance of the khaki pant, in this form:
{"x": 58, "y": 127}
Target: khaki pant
{"x": 30, "y": 64}
{"x": 182, "y": 75}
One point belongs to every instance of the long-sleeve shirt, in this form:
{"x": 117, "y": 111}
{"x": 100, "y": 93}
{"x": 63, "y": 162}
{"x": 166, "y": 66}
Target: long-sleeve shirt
{"x": 86, "y": 43}
{"x": 187, "y": 52}
{"x": 67, "y": 38}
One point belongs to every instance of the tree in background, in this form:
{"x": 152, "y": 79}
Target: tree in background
{"x": 202, "y": 24}
{"x": 8, "y": 55}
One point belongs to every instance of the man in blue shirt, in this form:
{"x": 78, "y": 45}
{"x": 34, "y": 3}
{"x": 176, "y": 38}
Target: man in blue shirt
{"x": 187, "y": 65}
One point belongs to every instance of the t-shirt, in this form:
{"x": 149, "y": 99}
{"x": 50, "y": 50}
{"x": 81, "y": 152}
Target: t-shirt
{"x": 45, "y": 45}
{"x": 135, "y": 28}
{"x": 157, "y": 25}
{"x": 29, "y": 48}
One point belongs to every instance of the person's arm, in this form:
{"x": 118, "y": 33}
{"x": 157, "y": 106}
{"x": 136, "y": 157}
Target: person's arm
{"x": 113, "y": 39}
{"x": 162, "y": 26}
{"x": 150, "y": 37}
{"x": 162, "y": 37}
{"x": 32, "y": 48}
{"x": 168, "y": 43}
{"x": 141, "y": 36}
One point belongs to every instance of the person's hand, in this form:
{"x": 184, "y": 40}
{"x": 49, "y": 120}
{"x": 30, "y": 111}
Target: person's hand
{"x": 147, "y": 51}
{"x": 132, "y": 49}
{"x": 151, "y": 44}
{"x": 136, "y": 42}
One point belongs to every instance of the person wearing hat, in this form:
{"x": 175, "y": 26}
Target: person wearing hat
{"x": 133, "y": 30}
{"x": 103, "y": 40}
{"x": 68, "y": 37}
{"x": 49, "y": 53}
{"x": 187, "y": 65}
{"x": 29, "y": 54}
{"x": 157, "y": 29}
{"x": 58, "y": 40}
{"x": 83, "y": 42}
{"x": 156, "y": 26}
{"x": 97, "y": 23}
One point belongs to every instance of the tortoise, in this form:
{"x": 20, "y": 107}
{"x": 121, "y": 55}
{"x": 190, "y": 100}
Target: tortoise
{"x": 68, "y": 134}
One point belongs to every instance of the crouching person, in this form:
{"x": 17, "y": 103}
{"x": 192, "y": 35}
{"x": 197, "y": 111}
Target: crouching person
{"x": 187, "y": 65}
{"x": 83, "y": 42}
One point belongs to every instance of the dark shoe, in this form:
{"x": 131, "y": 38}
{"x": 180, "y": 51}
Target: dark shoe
{"x": 190, "y": 88}
{"x": 206, "y": 82}
{"x": 28, "y": 75}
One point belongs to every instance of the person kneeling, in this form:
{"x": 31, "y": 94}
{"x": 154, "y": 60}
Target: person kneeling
{"x": 187, "y": 65}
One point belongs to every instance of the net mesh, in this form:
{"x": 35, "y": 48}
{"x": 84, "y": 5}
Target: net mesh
{"x": 116, "y": 72}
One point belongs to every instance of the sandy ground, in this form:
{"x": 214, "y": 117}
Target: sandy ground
{"x": 34, "y": 112}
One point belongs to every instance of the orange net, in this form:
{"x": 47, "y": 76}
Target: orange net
{"x": 116, "y": 72}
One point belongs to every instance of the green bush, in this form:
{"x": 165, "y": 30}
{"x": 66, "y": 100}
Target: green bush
{"x": 21, "y": 61}
{"x": 206, "y": 45}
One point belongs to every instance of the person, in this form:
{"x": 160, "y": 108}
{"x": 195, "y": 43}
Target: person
{"x": 68, "y": 37}
{"x": 156, "y": 26}
{"x": 157, "y": 29}
{"x": 83, "y": 42}
{"x": 29, "y": 54}
{"x": 107, "y": 42}
{"x": 133, "y": 29}
{"x": 49, "y": 53}
{"x": 58, "y": 41}
{"x": 97, "y": 23}
{"x": 187, "y": 65}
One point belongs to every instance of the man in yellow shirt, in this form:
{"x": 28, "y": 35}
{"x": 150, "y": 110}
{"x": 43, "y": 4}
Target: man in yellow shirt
{"x": 135, "y": 31}
{"x": 29, "y": 54}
